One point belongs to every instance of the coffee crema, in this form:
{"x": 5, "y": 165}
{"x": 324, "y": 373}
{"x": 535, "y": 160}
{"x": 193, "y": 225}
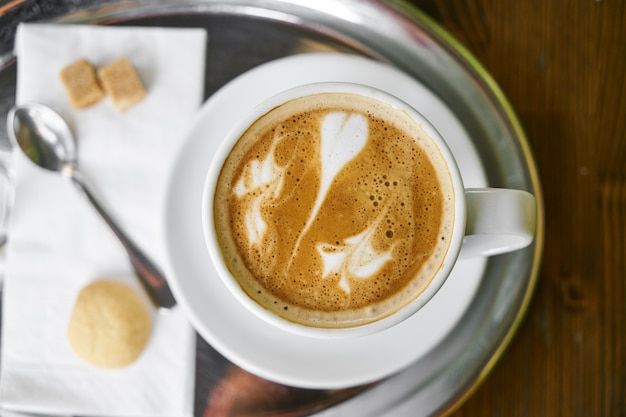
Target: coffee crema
{"x": 334, "y": 210}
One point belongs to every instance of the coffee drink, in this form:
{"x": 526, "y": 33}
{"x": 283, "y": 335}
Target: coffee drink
{"x": 334, "y": 210}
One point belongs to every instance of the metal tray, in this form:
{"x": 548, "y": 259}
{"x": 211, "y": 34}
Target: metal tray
{"x": 244, "y": 34}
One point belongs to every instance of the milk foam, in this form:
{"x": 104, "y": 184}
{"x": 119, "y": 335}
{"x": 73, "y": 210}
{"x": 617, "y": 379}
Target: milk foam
{"x": 343, "y": 136}
{"x": 264, "y": 180}
{"x": 331, "y": 210}
{"x": 355, "y": 257}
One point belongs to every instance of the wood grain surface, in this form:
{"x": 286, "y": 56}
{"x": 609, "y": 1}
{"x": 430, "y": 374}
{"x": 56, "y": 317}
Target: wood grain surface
{"x": 562, "y": 64}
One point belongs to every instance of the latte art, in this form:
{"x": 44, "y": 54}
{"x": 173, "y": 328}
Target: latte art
{"x": 334, "y": 210}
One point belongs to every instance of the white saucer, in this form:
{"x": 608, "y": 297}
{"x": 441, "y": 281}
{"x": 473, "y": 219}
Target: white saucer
{"x": 230, "y": 328}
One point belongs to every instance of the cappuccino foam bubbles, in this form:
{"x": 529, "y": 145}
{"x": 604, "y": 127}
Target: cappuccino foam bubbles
{"x": 334, "y": 210}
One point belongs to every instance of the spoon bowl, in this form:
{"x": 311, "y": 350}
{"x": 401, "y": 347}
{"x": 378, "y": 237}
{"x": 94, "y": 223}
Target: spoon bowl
{"x": 46, "y": 139}
{"x": 43, "y": 136}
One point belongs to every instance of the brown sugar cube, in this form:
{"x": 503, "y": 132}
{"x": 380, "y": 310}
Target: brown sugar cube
{"x": 81, "y": 84}
{"x": 122, "y": 83}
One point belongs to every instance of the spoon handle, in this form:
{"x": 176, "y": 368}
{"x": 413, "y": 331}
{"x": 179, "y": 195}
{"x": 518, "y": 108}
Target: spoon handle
{"x": 150, "y": 276}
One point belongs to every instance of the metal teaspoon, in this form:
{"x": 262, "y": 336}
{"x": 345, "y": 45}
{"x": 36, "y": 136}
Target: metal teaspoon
{"x": 46, "y": 139}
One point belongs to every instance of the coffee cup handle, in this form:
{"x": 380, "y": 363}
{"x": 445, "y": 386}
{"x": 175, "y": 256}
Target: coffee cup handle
{"x": 498, "y": 221}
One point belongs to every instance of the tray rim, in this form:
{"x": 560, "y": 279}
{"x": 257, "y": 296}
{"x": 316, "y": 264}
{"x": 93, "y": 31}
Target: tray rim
{"x": 455, "y": 49}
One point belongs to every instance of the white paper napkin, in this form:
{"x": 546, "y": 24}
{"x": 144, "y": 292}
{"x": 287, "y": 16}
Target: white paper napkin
{"x": 58, "y": 243}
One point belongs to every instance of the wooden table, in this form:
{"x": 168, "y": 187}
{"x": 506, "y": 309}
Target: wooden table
{"x": 562, "y": 64}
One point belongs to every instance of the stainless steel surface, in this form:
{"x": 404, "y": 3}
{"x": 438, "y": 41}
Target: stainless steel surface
{"x": 243, "y": 34}
{"x": 45, "y": 138}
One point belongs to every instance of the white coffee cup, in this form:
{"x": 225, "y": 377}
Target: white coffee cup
{"x": 486, "y": 221}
